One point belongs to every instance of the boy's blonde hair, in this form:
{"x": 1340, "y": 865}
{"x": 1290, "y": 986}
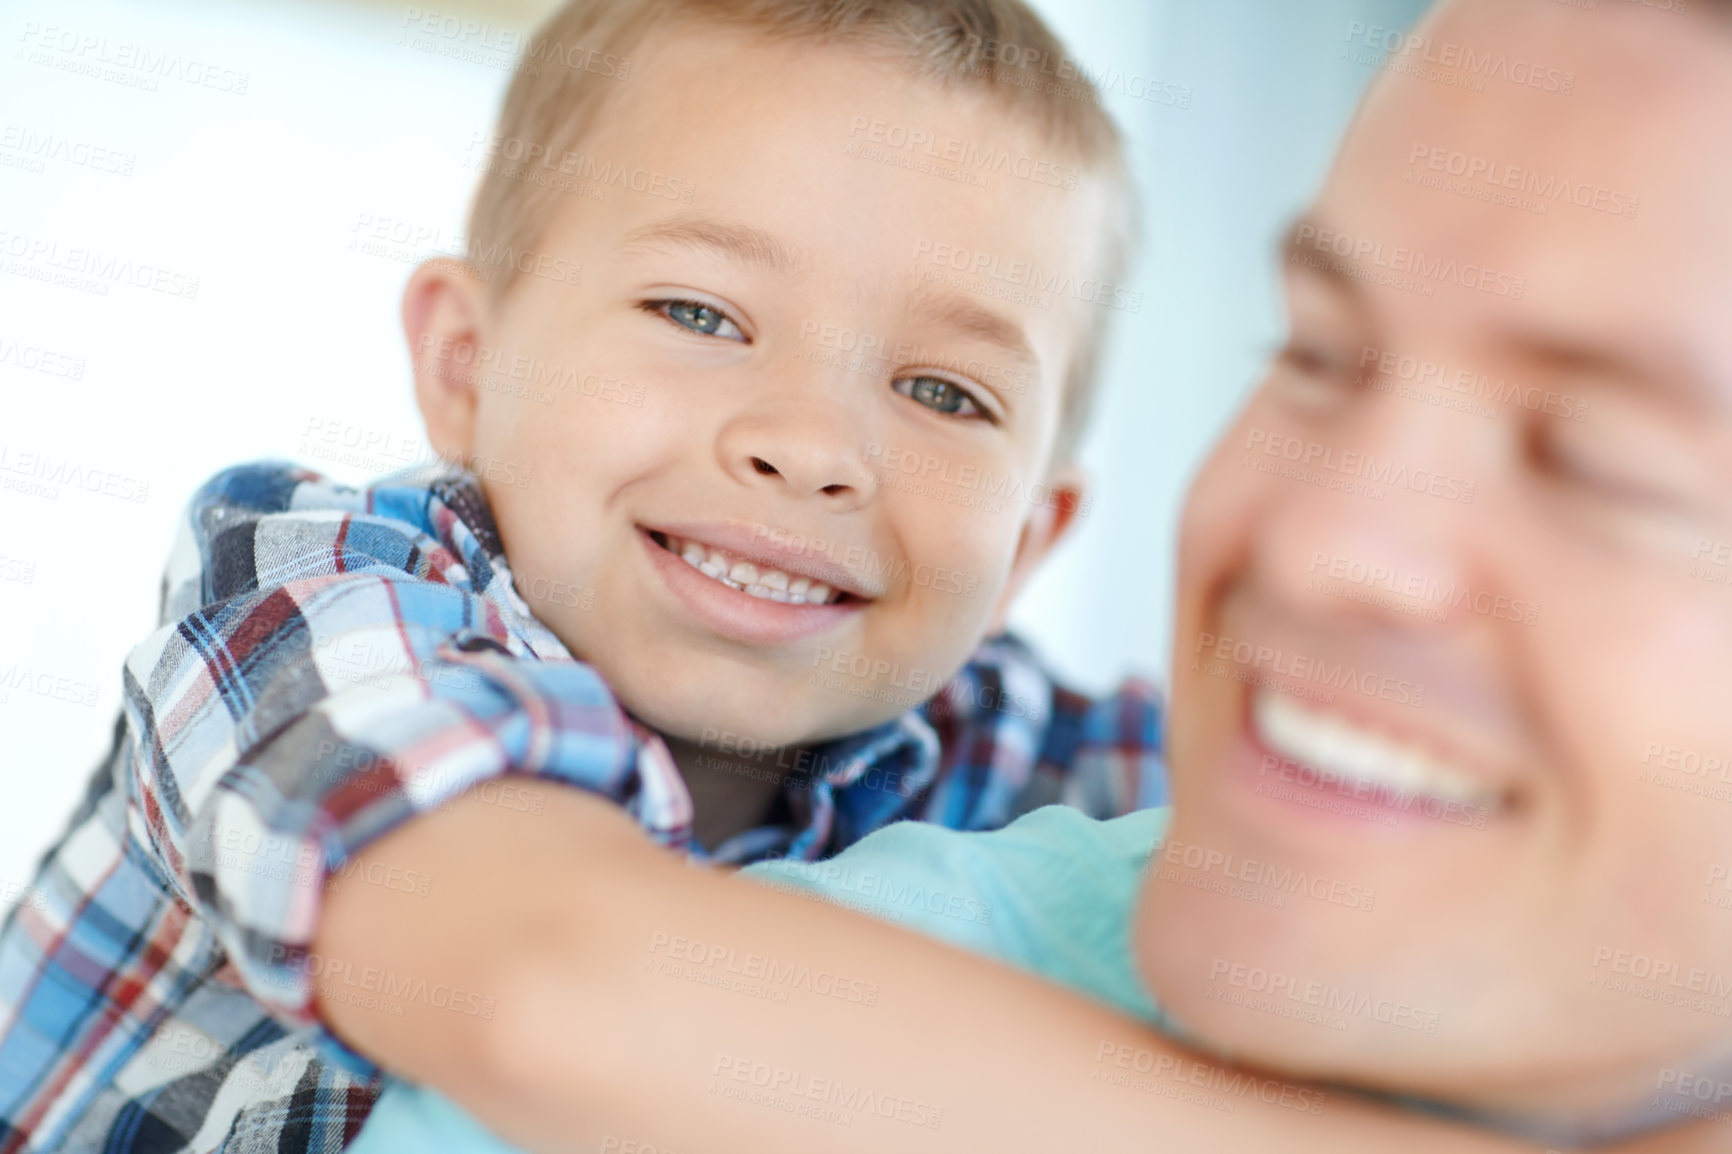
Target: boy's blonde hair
{"x": 582, "y": 53}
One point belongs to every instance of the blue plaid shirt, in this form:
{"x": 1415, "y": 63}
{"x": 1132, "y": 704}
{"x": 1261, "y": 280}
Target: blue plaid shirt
{"x": 332, "y": 661}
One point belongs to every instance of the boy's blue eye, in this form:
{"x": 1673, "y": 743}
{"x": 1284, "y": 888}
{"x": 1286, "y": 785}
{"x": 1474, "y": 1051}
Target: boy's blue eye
{"x": 699, "y": 318}
{"x": 939, "y": 395}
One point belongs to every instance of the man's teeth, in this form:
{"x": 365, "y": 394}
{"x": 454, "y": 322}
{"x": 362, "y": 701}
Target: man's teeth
{"x": 1332, "y": 746}
{"x": 770, "y": 584}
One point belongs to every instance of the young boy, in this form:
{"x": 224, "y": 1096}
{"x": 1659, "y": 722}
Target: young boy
{"x": 766, "y": 366}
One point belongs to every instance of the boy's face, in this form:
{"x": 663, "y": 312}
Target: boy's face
{"x": 825, "y": 364}
{"x": 1545, "y": 670}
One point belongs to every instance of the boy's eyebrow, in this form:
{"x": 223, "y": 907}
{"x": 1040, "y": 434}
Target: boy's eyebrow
{"x": 740, "y": 242}
{"x": 976, "y": 320}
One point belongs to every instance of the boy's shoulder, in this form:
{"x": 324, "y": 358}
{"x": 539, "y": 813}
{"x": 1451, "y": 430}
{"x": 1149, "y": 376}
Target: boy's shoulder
{"x": 252, "y": 520}
{"x": 413, "y": 496}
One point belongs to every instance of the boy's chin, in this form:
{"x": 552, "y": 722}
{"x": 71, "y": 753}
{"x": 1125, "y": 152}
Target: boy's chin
{"x": 759, "y": 721}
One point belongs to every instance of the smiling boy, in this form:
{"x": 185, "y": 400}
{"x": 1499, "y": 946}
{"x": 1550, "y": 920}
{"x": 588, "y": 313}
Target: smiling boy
{"x": 696, "y": 540}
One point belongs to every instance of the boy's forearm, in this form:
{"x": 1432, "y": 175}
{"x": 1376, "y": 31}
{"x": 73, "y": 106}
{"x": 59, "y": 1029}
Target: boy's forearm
{"x": 564, "y": 920}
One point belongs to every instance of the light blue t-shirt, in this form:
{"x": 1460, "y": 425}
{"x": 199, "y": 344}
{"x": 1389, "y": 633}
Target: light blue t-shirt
{"x": 1052, "y": 892}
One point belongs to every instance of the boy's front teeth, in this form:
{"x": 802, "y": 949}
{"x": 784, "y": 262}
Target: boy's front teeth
{"x": 769, "y": 584}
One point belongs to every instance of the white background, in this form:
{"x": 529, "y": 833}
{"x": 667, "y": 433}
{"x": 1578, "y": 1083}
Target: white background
{"x": 259, "y": 195}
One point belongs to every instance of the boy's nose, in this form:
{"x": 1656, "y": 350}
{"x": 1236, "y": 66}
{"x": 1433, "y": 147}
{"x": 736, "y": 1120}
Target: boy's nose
{"x": 806, "y": 456}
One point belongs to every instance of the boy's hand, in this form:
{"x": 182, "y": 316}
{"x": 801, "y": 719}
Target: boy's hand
{"x": 554, "y": 919}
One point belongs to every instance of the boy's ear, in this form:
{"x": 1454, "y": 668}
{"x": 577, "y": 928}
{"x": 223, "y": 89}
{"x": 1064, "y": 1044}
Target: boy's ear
{"x": 444, "y": 309}
{"x": 1067, "y": 495}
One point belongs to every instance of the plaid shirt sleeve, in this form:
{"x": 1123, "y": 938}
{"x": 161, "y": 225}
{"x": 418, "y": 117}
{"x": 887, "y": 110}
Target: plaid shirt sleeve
{"x": 1013, "y": 739}
{"x": 331, "y": 662}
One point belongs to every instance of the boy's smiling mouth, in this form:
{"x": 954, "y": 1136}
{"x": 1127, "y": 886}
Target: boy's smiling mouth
{"x": 754, "y": 580}
{"x": 746, "y": 589}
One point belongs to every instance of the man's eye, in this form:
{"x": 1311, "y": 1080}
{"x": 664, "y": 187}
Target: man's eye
{"x": 698, "y": 317}
{"x": 1605, "y": 465}
{"x": 939, "y": 395}
{"x": 1310, "y": 360}
{"x": 1314, "y": 376}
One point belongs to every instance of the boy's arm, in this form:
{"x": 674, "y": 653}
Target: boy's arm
{"x": 332, "y": 662}
{"x": 592, "y": 1040}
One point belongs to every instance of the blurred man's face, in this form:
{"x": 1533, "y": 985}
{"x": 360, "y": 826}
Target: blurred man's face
{"x": 1452, "y": 716}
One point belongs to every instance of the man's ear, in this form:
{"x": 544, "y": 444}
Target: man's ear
{"x": 444, "y": 314}
{"x": 1066, "y": 500}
